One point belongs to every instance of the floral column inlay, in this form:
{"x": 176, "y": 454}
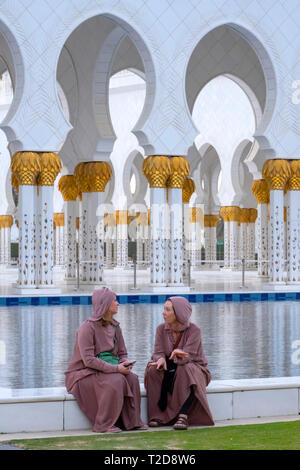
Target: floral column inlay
{"x": 210, "y": 233}
{"x": 69, "y": 190}
{"x": 179, "y": 171}
{"x": 250, "y": 253}
{"x": 122, "y": 222}
{"x": 25, "y": 167}
{"x": 293, "y": 223}
{"x": 261, "y": 192}
{"x": 6, "y": 222}
{"x": 157, "y": 170}
{"x": 59, "y": 238}
{"x": 187, "y": 191}
{"x": 50, "y": 167}
{"x": 276, "y": 173}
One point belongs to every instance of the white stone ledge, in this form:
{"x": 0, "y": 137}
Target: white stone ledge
{"x": 53, "y": 409}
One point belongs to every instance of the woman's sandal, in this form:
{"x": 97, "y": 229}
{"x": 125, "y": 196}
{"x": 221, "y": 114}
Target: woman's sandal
{"x": 142, "y": 427}
{"x": 154, "y": 423}
{"x": 181, "y": 423}
{"x": 114, "y": 429}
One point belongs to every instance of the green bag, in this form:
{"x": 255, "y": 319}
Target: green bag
{"x": 108, "y": 356}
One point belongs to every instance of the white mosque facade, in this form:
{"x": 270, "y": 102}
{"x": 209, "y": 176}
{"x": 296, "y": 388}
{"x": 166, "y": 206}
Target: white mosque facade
{"x": 173, "y": 124}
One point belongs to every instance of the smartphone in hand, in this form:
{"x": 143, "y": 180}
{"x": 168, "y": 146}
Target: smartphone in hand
{"x": 130, "y": 364}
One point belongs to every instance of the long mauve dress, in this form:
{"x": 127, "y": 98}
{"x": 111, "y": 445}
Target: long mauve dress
{"x": 106, "y": 396}
{"x": 191, "y": 372}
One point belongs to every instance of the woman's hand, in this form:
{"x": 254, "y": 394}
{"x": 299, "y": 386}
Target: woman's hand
{"x": 160, "y": 364}
{"x": 178, "y": 353}
{"x": 124, "y": 370}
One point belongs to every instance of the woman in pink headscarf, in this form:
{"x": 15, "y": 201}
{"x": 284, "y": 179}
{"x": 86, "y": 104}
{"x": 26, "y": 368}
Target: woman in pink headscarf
{"x": 105, "y": 389}
{"x": 177, "y": 378}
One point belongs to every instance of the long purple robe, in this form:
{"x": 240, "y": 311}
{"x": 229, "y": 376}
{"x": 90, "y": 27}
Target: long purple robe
{"x": 106, "y": 396}
{"x": 191, "y": 372}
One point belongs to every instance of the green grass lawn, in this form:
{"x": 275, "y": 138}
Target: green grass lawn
{"x": 271, "y": 436}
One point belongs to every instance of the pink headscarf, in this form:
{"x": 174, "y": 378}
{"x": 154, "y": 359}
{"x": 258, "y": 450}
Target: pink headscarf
{"x": 101, "y": 300}
{"x": 183, "y": 311}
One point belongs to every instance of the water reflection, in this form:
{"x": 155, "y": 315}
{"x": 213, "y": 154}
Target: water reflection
{"x": 241, "y": 340}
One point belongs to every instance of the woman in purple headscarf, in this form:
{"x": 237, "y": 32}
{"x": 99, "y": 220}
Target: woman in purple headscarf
{"x": 177, "y": 378}
{"x": 105, "y": 389}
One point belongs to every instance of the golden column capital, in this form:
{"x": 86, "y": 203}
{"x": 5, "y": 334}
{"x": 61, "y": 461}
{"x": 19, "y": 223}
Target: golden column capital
{"x": 98, "y": 174}
{"x": 196, "y": 215}
{"x": 109, "y": 220}
{"x": 157, "y": 169}
{"x": 68, "y": 187}
{"x": 211, "y": 220}
{"x": 122, "y": 218}
{"x": 6, "y": 221}
{"x": 276, "y": 173}
{"x": 230, "y": 213}
{"x": 25, "y": 166}
{"x": 187, "y": 190}
{"x": 14, "y": 181}
{"x": 141, "y": 218}
{"x": 180, "y": 169}
{"x": 50, "y": 167}
{"x": 294, "y": 180}
{"x": 58, "y": 219}
{"x": 261, "y": 191}
{"x": 244, "y": 215}
{"x": 252, "y": 216}
{"x": 81, "y": 178}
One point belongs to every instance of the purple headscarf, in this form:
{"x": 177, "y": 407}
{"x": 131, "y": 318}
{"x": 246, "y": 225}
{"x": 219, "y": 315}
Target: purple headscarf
{"x": 183, "y": 311}
{"x": 101, "y": 300}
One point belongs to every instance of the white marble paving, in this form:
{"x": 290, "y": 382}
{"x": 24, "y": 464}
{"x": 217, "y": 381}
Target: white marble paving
{"x": 122, "y": 282}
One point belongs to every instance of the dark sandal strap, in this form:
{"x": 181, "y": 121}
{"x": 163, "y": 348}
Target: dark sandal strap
{"x": 154, "y": 423}
{"x": 181, "y": 422}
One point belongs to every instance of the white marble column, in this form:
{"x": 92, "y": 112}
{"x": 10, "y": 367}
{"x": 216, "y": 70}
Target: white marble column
{"x": 141, "y": 221}
{"x": 69, "y": 190}
{"x": 108, "y": 261}
{"x": 157, "y": 170}
{"x": 293, "y": 224}
{"x": 45, "y": 233}
{"x": 276, "y": 173}
{"x": 210, "y": 232}
{"x": 95, "y": 238}
{"x": 244, "y": 218}
{"x": 110, "y": 225}
{"x": 50, "y": 167}
{"x": 147, "y": 238}
{"x": 70, "y": 211}
{"x": 233, "y": 244}
{"x": 159, "y": 236}
{"x": 25, "y": 167}
{"x": 187, "y": 235}
{"x": 250, "y": 252}
{"x": 122, "y": 238}
{"x": 2, "y": 247}
{"x": 59, "y": 239}
{"x": 6, "y": 221}
{"x": 231, "y": 217}
{"x": 91, "y": 179}
{"x": 261, "y": 192}
{"x": 83, "y": 236}
{"x": 176, "y": 242}
{"x": 196, "y": 226}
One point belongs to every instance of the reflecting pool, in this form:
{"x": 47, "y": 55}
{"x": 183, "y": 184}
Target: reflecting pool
{"x": 241, "y": 340}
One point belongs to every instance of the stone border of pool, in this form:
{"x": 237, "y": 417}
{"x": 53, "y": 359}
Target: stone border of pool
{"x": 80, "y": 299}
{"x": 53, "y": 409}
